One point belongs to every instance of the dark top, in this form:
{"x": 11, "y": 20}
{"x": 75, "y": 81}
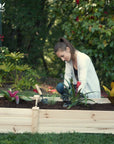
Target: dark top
{"x": 76, "y": 73}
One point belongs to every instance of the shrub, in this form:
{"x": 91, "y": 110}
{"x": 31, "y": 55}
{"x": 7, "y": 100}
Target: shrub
{"x": 13, "y": 71}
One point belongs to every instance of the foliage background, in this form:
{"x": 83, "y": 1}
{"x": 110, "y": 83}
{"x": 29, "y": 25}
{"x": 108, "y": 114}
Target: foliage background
{"x": 33, "y": 27}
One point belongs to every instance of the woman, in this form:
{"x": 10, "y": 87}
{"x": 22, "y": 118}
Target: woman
{"x": 78, "y": 67}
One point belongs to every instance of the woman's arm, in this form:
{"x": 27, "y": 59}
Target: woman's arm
{"x": 68, "y": 73}
{"x": 83, "y": 66}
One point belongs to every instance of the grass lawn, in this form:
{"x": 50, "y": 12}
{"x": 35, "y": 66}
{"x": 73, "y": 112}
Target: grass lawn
{"x": 62, "y": 138}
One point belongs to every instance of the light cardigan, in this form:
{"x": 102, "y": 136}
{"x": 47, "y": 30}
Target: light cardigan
{"x": 86, "y": 75}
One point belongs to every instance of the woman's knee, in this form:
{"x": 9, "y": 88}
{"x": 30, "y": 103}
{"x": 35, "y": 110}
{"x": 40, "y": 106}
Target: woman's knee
{"x": 60, "y": 88}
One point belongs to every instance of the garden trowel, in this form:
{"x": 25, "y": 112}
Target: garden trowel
{"x": 40, "y": 93}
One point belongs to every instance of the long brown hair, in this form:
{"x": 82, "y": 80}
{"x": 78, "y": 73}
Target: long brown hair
{"x": 62, "y": 44}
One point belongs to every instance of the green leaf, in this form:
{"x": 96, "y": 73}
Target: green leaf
{"x": 7, "y": 95}
{"x": 26, "y": 98}
{"x": 22, "y": 67}
{"x": 7, "y": 67}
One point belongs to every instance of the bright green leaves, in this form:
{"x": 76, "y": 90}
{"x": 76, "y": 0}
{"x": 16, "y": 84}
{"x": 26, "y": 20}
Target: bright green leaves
{"x": 15, "y": 56}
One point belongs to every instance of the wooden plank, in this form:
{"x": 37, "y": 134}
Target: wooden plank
{"x": 16, "y": 121}
{"x": 15, "y": 128}
{"x": 76, "y": 129}
{"x": 76, "y": 120}
{"x": 74, "y": 114}
{"x": 64, "y": 123}
{"x": 99, "y": 100}
{"x": 35, "y": 118}
{"x": 15, "y": 111}
{"x": 72, "y": 121}
{"x": 76, "y": 125}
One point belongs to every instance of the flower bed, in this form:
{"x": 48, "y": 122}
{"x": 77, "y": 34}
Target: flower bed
{"x": 19, "y": 120}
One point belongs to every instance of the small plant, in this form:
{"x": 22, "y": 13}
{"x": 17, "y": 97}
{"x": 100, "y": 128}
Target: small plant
{"x": 12, "y": 95}
{"x": 109, "y": 92}
{"x": 75, "y": 96}
{"x": 52, "y": 100}
{"x": 53, "y": 94}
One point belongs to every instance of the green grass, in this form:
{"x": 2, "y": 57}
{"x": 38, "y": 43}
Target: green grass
{"x": 62, "y": 138}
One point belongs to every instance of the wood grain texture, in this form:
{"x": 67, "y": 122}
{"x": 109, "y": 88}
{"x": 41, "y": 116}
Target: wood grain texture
{"x": 19, "y": 120}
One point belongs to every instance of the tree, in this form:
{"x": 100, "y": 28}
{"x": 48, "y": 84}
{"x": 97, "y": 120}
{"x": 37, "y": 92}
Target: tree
{"x": 29, "y": 27}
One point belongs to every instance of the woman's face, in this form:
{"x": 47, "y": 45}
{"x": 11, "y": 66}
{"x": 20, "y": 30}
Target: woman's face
{"x": 64, "y": 55}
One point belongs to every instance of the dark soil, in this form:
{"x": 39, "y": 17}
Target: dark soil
{"x": 57, "y": 105}
{"x": 22, "y": 104}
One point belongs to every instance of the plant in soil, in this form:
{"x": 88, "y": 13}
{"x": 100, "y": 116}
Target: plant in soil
{"x": 75, "y": 96}
{"x": 12, "y": 95}
{"x": 54, "y": 104}
{"x": 25, "y": 101}
{"x": 9, "y": 95}
{"x": 52, "y": 99}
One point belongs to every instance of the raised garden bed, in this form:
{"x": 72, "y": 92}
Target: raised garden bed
{"x": 48, "y": 119}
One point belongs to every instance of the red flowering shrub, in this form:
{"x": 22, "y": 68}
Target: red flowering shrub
{"x": 77, "y": 2}
{"x": 77, "y": 18}
{"x": 1, "y": 37}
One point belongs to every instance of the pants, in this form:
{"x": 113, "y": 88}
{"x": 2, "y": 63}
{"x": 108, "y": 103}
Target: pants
{"x": 63, "y": 91}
